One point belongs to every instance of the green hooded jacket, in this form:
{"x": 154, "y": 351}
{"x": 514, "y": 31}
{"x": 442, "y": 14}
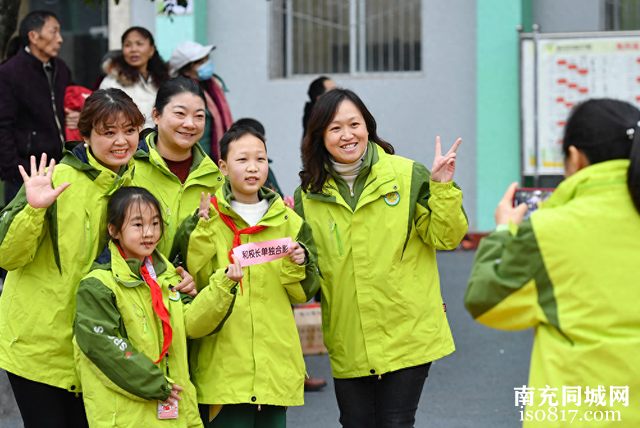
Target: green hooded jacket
{"x": 47, "y": 251}
{"x": 569, "y": 273}
{"x": 381, "y": 305}
{"x": 178, "y": 200}
{"x": 256, "y": 357}
{"x": 118, "y": 336}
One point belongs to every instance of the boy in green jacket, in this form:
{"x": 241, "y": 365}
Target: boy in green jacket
{"x": 248, "y": 372}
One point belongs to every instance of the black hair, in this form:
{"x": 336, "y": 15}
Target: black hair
{"x": 33, "y": 21}
{"x": 235, "y": 133}
{"x": 252, "y": 123}
{"x": 316, "y": 164}
{"x": 606, "y": 129}
{"x": 175, "y": 86}
{"x": 158, "y": 69}
{"x": 120, "y": 202}
{"x": 316, "y": 89}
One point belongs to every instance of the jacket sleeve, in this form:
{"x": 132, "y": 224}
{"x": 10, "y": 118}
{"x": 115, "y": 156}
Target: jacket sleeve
{"x": 9, "y": 160}
{"x": 301, "y": 281}
{"x": 194, "y": 244}
{"x": 102, "y": 337}
{"x": 439, "y": 217}
{"x": 207, "y": 313}
{"x": 509, "y": 287}
{"x": 22, "y": 229}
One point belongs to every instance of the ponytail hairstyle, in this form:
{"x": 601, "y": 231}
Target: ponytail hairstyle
{"x": 316, "y": 161}
{"x": 130, "y": 197}
{"x": 606, "y": 129}
{"x": 316, "y": 89}
{"x": 158, "y": 69}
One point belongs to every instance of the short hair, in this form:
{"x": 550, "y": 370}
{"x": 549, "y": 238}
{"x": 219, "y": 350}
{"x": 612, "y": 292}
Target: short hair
{"x": 103, "y": 108}
{"x": 34, "y": 21}
{"x": 235, "y": 133}
{"x": 252, "y": 123}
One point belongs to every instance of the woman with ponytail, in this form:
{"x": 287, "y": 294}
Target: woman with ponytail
{"x": 568, "y": 270}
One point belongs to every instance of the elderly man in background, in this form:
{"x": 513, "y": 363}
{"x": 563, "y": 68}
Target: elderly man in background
{"x": 32, "y": 88}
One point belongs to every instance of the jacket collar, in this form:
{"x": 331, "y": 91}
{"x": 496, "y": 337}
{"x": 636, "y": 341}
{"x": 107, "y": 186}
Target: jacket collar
{"x": 380, "y": 180}
{"x": 126, "y": 271}
{"x": 608, "y": 173}
{"x": 202, "y": 164}
{"x": 275, "y": 215}
{"x": 77, "y": 156}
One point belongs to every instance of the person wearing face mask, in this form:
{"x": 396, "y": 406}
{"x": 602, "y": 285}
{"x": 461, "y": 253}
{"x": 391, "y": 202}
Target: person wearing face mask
{"x": 191, "y": 59}
{"x": 138, "y": 71}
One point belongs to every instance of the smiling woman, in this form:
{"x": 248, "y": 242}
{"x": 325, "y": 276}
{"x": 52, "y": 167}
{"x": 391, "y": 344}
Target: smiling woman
{"x": 50, "y": 235}
{"x": 170, "y": 162}
{"x": 139, "y": 70}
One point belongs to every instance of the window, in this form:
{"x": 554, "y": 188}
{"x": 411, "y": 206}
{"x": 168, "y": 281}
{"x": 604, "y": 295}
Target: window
{"x": 345, "y": 36}
{"x": 622, "y": 14}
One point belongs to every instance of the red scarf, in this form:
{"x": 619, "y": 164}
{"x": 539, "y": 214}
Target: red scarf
{"x": 236, "y": 233}
{"x": 158, "y": 306}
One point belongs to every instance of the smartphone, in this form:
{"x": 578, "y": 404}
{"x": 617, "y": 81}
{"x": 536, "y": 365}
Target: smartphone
{"x": 533, "y": 197}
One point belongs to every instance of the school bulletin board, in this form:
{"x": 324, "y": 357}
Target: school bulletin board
{"x": 558, "y": 71}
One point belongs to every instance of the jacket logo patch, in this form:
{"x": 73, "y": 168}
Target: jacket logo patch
{"x": 392, "y": 198}
{"x": 129, "y": 354}
{"x": 174, "y": 294}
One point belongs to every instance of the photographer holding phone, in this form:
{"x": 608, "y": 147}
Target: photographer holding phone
{"x": 567, "y": 271}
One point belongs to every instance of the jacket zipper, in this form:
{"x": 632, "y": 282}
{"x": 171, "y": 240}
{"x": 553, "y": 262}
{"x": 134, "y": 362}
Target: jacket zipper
{"x": 336, "y": 228}
{"x": 53, "y": 103}
{"x": 87, "y": 234}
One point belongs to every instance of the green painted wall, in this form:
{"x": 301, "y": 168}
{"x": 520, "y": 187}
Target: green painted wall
{"x": 498, "y": 102}
{"x": 176, "y": 29}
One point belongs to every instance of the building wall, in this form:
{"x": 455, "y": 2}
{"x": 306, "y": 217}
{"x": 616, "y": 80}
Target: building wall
{"x": 556, "y": 16}
{"x": 411, "y": 109}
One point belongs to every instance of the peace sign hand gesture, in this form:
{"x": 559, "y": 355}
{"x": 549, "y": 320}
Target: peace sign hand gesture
{"x": 444, "y": 166}
{"x": 39, "y": 187}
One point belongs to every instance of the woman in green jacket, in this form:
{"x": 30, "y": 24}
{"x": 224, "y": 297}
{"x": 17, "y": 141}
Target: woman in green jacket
{"x": 131, "y": 324}
{"x": 49, "y": 236}
{"x": 170, "y": 162}
{"x": 568, "y": 271}
{"x": 377, "y": 220}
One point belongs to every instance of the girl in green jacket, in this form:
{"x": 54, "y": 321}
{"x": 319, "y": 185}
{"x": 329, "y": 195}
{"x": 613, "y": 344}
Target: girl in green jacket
{"x": 377, "y": 220}
{"x": 569, "y": 271}
{"x": 49, "y": 236}
{"x": 252, "y": 369}
{"x": 170, "y": 162}
{"x": 131, "y": 323}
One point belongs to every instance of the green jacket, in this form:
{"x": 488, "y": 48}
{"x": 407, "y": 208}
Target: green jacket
{"x": 118, "y": 337}
{"x": 568, "y": 272}
{"x": 47, "y": 252}
{"x": 178, "y": 200}
{"x": 256, "y": 357}
{"x": 381, "y": 309}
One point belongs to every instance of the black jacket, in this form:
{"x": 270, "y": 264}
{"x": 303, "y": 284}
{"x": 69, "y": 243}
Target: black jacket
{"x": 27, "y": 121}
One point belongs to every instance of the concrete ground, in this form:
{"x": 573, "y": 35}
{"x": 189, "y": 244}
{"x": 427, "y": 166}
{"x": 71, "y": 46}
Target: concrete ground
{"x": 473, "y": 387}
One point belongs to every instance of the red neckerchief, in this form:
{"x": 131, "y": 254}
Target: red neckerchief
{"x": 158, "y": 305}
{"x": 236, "y": 233}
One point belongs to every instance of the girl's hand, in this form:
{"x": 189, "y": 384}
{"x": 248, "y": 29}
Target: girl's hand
{"x": 39, "y": 187}
{"x": 187, "y": 285}
{"x": 297, "y": 253}
{"x": 444, "y": 166}
{"x": 234, "y": 270}
{"x": 506, "y": 211}
{"x": 205, "y": 204}
{"x": 174, "y": 397}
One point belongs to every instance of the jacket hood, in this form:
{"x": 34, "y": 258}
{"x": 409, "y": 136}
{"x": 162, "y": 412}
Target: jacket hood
{"x": 603, "y": 173}
{"x": 147, "y": 150}
{"x": 276, "y": 213}
{"x": 79, "y": 157}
